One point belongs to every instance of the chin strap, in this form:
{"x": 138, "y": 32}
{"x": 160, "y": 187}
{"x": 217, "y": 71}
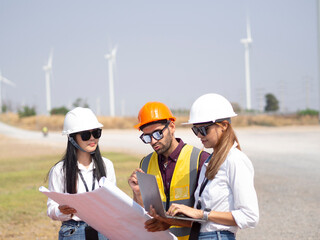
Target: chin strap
{"x": 74, "y": 143}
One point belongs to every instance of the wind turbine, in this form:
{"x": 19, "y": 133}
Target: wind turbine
{"x": 247, "y": 42}
{"x": 48, "y": 70}
{"x": 318, "y": 31}
{"x": 111, "y": 57}
{"x": 6, "y": 81}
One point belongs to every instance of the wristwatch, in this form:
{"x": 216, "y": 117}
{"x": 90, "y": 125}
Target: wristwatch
{"x": 206, "y": 213}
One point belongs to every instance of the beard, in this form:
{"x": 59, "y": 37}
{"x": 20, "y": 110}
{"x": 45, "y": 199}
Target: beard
{"x": 163, "y": 147}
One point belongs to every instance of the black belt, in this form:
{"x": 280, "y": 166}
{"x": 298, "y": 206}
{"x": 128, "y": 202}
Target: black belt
{"x": 74, "y": 221}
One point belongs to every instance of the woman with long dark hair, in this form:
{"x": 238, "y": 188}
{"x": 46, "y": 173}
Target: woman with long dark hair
{"x": 225, "y": 198}
{"x": 79, "y": 171}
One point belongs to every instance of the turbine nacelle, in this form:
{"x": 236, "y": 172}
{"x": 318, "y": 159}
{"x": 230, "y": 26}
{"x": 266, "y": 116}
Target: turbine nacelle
{"x": 107, "y": 56}
{"x": 112, "y": 54}
{"x": 48, "y": 67}
{"x": 248, "y": 40}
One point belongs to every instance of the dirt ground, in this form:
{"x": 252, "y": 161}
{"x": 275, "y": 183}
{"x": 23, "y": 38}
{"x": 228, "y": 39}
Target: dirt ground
{"x": 9, "y": 148}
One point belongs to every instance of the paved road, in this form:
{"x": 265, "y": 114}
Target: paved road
{"x": 303, "y": 140}
{"x": 287, "y": 166}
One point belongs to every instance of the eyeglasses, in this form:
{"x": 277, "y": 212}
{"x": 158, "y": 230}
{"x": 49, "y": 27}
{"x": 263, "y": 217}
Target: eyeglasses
{"x": 202, "y": 129}
{"x": 157, "y": 135}
{"x": 86, "y": 135}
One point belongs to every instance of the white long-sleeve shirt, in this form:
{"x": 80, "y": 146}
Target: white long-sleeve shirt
{"x": 232, "y": 190}
{"x": 56, "y": 184}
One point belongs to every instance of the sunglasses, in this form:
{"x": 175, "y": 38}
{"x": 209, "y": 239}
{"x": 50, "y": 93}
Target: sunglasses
{"x": 157, "y": 135}
{"x": 203, "y": 129}
{"x": 86, "y": 135}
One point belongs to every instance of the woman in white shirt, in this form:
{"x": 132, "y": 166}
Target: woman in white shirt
{"x": 225, "y": 198}
{"x": 79, "y": 171}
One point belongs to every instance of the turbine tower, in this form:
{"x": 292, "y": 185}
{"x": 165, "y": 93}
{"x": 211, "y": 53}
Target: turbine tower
{"x": 318, "y": 31}
{"x": 48, "y": 70}
{"x": 111, "y": 57}
{"x": 247, "y": 42}
{"x": 6, "y": 81}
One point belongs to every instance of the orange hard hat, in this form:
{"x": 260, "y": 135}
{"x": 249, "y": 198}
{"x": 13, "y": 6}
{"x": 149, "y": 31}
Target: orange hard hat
{"x": 152, "y": 112}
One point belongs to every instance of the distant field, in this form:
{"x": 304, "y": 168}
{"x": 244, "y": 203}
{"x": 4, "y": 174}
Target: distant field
{"x": 55, "y": 122}
{"x": 22, "y": 206}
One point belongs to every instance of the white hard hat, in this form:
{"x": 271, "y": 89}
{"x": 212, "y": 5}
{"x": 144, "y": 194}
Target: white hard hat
{"x": 210, "y": 107}
{"x": 80, "y": 119}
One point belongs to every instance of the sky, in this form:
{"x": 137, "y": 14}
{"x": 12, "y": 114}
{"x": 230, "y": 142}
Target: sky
{"x": 168, "y": 51}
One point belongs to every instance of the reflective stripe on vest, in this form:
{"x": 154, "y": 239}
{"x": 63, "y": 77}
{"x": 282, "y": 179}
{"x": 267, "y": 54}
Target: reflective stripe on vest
{"x": 181, "y": 233}
{"x": 183, "y": 182}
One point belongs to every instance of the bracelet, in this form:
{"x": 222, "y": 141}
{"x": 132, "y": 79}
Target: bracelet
{"x": 206, "y": 213}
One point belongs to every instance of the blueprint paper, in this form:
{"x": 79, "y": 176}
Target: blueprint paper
{"x": 110, "y": 211}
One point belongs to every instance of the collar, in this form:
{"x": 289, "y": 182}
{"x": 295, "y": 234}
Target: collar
{"x": 175, "y": 154}
{"x": 83, "y": 168}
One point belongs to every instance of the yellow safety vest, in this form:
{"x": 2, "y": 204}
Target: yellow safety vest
{"x": 183, "y": 182}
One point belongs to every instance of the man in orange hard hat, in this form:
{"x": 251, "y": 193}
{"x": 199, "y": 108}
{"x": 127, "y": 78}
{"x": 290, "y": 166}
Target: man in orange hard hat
{"x": 176, "y": 164}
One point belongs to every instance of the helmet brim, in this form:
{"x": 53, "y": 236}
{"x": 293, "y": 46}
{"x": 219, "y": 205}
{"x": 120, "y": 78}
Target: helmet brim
{"x": 137, "y": 126}
{"x": 99, "y": 125}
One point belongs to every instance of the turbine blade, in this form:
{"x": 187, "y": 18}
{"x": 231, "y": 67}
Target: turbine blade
{"x": 5, "y": 80}
{"x": 114, "y": 51}
{"x": 114, "y": 54}
{"x": 111, "y": 55}
{"x": 248, "y": 29}
{"x": 50, "y": 59}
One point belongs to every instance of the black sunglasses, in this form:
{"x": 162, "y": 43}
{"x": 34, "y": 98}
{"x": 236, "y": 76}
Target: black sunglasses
{"x": 157, "y": 135}
{"x": 86, "y": 135}
{"x": 202, "y": 129}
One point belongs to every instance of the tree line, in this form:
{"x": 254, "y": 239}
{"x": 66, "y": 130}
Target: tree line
{"x": 271, "y": 105}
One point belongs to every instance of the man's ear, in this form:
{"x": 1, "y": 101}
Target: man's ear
{"x": 172, "y": 126}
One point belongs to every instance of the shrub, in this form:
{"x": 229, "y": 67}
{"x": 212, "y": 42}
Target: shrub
{"x": 4, "y": 108}
{"x": 59, "y": 111}
{"x": 79, "y": 102}
{"x": 27, "y": 111}
{"x": 310, "y": 112}
{"x": 272, "y": 103}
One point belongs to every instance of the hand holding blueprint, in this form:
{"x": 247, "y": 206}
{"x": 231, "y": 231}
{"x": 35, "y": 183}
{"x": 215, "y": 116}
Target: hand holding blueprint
{"x": 110, "y": 211}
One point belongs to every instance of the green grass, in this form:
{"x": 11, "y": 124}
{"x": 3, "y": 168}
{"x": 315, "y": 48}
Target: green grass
{"x": 124, "y": 165}
{"x": 20, "y": 178}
